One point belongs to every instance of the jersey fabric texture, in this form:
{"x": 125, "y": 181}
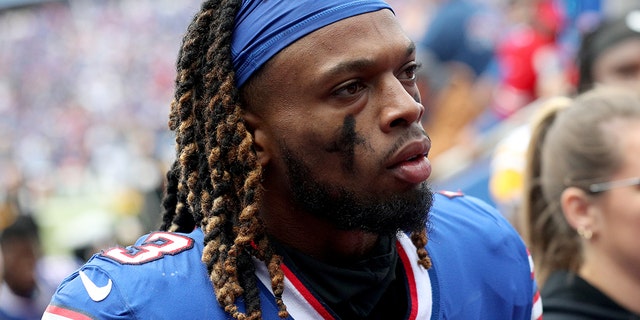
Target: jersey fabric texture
{"x": 481, "y": 270}
{"x": 569, "y": 297}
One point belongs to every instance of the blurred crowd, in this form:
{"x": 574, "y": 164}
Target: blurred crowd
{"x": 486, "y": 66}
{"x": 494, "y": 57}
{"x": 85, "y": 88}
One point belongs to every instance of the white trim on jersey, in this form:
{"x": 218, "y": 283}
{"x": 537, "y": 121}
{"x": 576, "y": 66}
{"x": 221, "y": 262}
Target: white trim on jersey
{"x": 301, "y": 304}
{"x": 51, "y": 316}
{"x": 57, "y": 313}
{"x": 421, "y": 279}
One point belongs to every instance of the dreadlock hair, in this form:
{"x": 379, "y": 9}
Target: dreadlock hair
{"x": 214, "y": 182}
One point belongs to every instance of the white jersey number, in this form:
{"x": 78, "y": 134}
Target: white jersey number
{"x": 157, "y": 245}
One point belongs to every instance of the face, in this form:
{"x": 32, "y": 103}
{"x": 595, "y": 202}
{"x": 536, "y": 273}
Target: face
{"x": 20, "y": 258}
{"x": 620, "y": 65}
{"x": 338, "y": 128}
{"x": 617, "y": 218}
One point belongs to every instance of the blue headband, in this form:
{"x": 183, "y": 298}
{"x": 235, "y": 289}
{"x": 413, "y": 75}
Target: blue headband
{"x": 264, "y": 27}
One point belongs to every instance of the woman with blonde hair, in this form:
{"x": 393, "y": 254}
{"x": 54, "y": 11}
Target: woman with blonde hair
{"x": 581, "y": 209}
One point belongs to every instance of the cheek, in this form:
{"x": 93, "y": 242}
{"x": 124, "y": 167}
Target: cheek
{"x": 632, "y": 82}
{"x": 337, "y": 151}
{"x": 310, "y": 144}
{"x": 623, "y": 227}
{"x": 320, "y": 152}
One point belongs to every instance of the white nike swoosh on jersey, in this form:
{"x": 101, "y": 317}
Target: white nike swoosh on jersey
{"x": 96, "y": 293}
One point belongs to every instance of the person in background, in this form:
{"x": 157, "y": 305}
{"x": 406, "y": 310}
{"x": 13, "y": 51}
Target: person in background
{"x": 24, "y": 294}
{"x": 609, "y": 54}
{"x": 508, "y": 162}
{"x": 581, "y": 205}
{"x": 299, "y": 188}
{"x": 456, "y": 51}
{"x": 529, "y": 57}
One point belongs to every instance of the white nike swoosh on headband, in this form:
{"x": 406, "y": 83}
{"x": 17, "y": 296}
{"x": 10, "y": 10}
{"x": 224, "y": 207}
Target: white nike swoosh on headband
{"x": 96, "y": 293}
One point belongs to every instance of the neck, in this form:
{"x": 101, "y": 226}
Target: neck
{"x": 316, "y": 237}
{"x": 618, "y": 282}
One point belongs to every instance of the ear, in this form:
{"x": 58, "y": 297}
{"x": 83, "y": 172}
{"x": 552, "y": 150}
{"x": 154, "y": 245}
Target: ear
{"x": 255, "y": 126}
{"x": 577, "y": 206}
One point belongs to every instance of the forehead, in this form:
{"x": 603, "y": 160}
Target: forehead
{"x": 373, "y": 37}
{"x": 623, "y": 54}
{"x": 627, "y": 132}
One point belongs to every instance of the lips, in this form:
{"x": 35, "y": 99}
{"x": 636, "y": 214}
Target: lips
{"x": 410, "y": 163}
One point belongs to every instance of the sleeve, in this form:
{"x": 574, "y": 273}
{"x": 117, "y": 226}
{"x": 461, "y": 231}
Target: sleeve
{"x": 148, "y": 280}
{"x": 89, "y": 293}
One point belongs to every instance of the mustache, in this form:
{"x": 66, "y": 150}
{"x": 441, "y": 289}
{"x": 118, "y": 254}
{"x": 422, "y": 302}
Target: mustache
{"x": 415, "y": 133}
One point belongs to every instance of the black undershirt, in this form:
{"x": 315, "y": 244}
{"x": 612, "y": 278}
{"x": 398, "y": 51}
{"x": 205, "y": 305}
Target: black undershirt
{"x": 371, "y": 288}
{"x": 566, "y": 296}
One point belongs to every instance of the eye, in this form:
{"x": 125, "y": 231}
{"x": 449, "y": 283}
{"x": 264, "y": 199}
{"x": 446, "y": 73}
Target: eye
{"x": 628, "y": 71}
{"x": 409, "y": 73}
{"x": 349, "y": 89}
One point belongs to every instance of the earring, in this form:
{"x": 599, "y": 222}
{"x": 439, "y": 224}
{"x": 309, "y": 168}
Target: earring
{"x": 585, "y": 233}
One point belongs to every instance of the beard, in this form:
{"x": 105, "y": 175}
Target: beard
{"x": 385, "y": 215}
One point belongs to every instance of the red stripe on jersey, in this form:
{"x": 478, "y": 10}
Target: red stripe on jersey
{"x": 413, "y": 293}
{"x": 536, "y": 311}
{"x": 66, "y": 313}
{"x": 306, "y": 294}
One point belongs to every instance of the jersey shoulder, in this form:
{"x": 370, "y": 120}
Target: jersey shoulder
{"x": 144, "y": 280}
{"x": 478, "y": 258}
{"x": 456, "y": 206}
{"x": 456, "y": 218}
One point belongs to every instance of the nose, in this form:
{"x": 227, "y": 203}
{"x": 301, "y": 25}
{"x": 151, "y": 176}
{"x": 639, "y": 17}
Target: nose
{"x": 401, "y": 105}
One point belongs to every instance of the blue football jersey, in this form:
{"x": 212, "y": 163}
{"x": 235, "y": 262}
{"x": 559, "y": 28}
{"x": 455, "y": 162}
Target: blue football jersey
{"x": 481, "y": 270}
{"x": 481, "y": 267}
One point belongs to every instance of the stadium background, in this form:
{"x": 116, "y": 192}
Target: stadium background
{"x": 85, "y": 87}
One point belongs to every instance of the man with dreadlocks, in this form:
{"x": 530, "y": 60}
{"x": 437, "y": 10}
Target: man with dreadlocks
{"x": 299, "y": 187}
